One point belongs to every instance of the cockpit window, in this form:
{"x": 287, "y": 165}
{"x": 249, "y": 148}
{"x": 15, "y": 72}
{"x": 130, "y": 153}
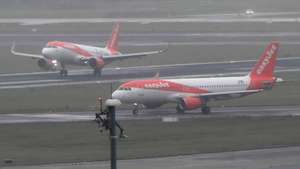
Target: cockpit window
{"x": 125, "y": 88}
{"x": 50, "y": 46}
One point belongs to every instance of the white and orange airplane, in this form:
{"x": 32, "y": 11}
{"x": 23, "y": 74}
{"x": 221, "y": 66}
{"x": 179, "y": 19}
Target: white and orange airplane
{"x": 193, "y": 93}
{"x": 57, "y": 53}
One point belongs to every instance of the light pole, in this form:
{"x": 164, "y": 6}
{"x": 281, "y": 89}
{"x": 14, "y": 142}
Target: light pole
{"x": 111, "y": 116}
{"x": 107, "y": 119}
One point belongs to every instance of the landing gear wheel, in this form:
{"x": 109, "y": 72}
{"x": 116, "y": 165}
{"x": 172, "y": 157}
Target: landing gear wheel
{"x": 205, "y": 110}
{"x": 97, "y": 72}
{"x": 135, "y": 112}
{"x": 180, "y": 109}
{"x": 63, "y": 72}
{"x": 138, "y": 108}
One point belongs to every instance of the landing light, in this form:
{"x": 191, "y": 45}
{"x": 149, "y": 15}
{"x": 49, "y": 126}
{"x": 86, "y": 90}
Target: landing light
{"x": 249, "y": 12}
{"x": 54, "y": 62}
{"x": 278, "y": 80}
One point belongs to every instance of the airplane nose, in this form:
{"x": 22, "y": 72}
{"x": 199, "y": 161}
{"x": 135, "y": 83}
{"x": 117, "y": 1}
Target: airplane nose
{"x": 116, "y": 95}
{"x": 48, "y": 53}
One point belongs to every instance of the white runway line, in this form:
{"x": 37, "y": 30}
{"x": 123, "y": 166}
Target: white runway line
{"x": 30, "y": 81}
{"x": 127, "y": 79}
{"x": 166, "y": 34}
{"x": 126, "y": 114}
{"x": 240, "y": 19}
{"x": 144, "y": 67}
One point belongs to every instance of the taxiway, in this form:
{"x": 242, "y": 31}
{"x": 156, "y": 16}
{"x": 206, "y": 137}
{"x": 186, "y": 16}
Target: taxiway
{"x": 110, "y": 75}
{"x": 159, "y": 114}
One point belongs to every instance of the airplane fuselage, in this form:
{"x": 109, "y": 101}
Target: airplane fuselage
{"x": 194, "y": 93}
{"x": 74, "y": 54}
{"x": 160, "y": 91}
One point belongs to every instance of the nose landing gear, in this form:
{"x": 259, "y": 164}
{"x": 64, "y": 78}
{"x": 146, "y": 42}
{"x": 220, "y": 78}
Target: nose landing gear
{"x": 97, "y": 72}
{"x": 137, "y": 108}
{"x": 63, "y": 72}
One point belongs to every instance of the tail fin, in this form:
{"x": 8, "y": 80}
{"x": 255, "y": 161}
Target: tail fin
{"x": 267, "y": 62}
{"x": 112, "y": 43}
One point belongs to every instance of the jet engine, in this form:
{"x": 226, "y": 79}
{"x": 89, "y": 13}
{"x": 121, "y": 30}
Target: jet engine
{"x": 47, "y": 64}
{"x": 96, "y": 63}
{"x": 190, "y": 103}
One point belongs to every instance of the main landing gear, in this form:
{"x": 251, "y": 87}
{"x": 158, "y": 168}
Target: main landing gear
{"x": 63, "y": 71}
{"x": 180, "y": 109}
{"x": 205, "y": 109}
{"x": 97, "y": 72}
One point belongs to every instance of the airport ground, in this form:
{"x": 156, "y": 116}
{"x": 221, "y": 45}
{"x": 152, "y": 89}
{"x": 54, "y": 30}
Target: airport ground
{"x": 82, "y": 141}
{"x": 275, "y": 158}
{"x": 189, "y": 42}
{"x": 142, "y": 8}
{"x": 70, "y": 98}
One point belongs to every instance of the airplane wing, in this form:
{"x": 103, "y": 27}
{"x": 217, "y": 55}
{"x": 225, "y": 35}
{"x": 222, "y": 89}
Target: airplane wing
{"x": 33, "y": 56}
{"x": 131, "y": 55}
{"x": 226, "y": 95}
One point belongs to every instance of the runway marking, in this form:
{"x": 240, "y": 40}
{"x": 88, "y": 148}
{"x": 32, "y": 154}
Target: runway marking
{"x": 217, "y": 34}
{"x": 146, "y": 67}
{"x": 127, "y": 79}
{"x": 241, "y": 19}
{"x": 227, "y": 74}
{"x": 163, "y": 43}
{"x": 206, "y": 63}
{"x": 29, "y": 81}
{"x": 125, "y": 114}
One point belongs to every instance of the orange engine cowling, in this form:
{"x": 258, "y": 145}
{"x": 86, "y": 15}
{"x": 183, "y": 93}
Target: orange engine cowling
{"x": 96, "y": 62}
{"x": 191, "y": 103}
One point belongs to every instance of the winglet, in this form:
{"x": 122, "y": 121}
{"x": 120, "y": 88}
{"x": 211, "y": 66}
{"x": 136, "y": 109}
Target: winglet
{"x": 156, "y": 76}
{"x": 12, "y": 49}
{"x": 164, "y": 50}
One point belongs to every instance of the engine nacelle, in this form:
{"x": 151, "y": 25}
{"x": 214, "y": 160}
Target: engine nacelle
{"x": 190, "y": 103}
{"x": 96, "y": 63}
{"x": 47, "y": 64}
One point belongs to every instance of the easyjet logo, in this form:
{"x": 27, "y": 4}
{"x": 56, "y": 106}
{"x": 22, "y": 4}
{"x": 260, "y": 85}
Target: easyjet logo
{"x": 267, "y": 59}
{"x": 157, "y": 85}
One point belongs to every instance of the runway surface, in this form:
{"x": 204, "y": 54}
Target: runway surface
{"x": 27, "y": 80}
{"x": 277, "y": 158}
{"x": 160, "y": 114}
{"x": 244, "y": 19}
{"x": 159, "y": 39}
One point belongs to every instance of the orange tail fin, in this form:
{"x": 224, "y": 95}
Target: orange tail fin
{"x": 266, "y": 64}
{"x": 112, "y": 43}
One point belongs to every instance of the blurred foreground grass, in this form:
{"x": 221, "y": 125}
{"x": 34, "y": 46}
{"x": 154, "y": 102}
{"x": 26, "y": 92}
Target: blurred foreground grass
{"x": 38, "y": 143}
